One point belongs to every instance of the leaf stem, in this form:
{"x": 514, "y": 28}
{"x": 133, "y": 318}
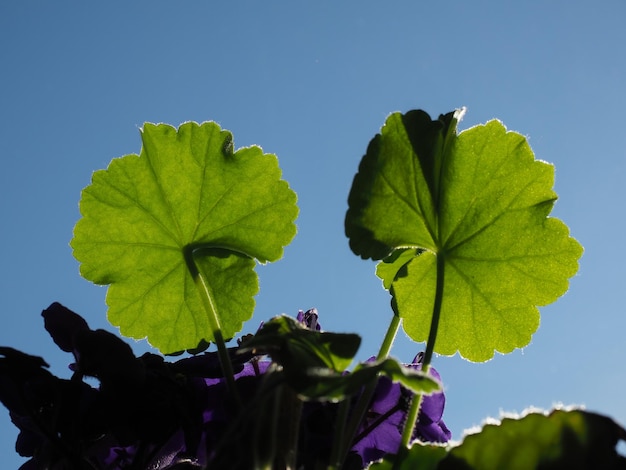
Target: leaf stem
{"x": 336, "y": 456}
{"x": 416, "y": 402}
{"x": 363, "y": 402}
{"x": 411, "y": 420}
{"x": 390, "y": 336}
{"x": 434, "y": 323}
{"x": 265, "y": 439}
{"x": 214, "y": 323}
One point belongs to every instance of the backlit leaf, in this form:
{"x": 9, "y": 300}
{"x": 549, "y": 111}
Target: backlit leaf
{"x": 188, "y": 201}
{"x": 480, "y": 202}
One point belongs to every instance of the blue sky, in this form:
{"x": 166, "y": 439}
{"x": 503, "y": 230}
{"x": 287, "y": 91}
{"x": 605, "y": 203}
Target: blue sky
{"x": 312, "y": 82}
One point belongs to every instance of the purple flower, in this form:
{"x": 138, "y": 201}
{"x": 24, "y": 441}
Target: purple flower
{"x": 309, "y": 319}
{"x": 381, "y": 430}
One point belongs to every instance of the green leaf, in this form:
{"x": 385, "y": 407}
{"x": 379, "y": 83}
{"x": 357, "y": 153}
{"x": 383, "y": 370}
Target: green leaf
{"x": 324, "y": 384}
{"x": 419, "y": 457}
{"x": 415, "y": 380}
{"x": 479, "y": 203}
{"x": 298, "y": 348}
{"x": 314, "y": 362}
{"x": 395, "y": 264}
{"x": 570, "y": 440}
{"x": 561, "y": 440}
{"x": 187, "y": 206}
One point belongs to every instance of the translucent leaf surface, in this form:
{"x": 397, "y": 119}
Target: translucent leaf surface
{"x": 479, "y": 202}
{"x": 187, "y": 202}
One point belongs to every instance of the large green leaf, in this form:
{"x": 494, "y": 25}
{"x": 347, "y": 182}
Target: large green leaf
{"x": 188, "y": 205}
{"x": 474, "y": 206}
{"x": 570, "y": 440}
{"x": 562, "y": 440}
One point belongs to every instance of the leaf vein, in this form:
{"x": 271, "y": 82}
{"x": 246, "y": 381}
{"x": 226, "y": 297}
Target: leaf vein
{"x": 134, "y": 201}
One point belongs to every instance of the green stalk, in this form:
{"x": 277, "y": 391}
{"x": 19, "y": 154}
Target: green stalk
{"x": 265, "y": 441}
{"x": 416, "y": 402}
{"x": 288, "y": 409}
{"x": 411, "y": 419}
{"x": 434, "y": 324}
{"x": 336, "y": 456}
{"x": 366, "y": 397}
{"x": 390, "y": 336}
{"x": 214, "y": 323}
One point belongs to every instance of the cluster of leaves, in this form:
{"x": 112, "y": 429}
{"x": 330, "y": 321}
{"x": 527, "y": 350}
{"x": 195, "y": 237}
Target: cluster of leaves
{"x": 150, "y": 413}
{"x": 460, "y": 225}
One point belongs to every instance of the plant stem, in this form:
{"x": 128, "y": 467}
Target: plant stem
{"x": 288, "y": 413}
{"x": 366, "y": 397}
{"x": 411, "y": 419}
{"x": 416, "y": 402}
{"x": 202, "y": 285}
{"x": 434, "y": 323}
{"x": 390, "y": 336}
{"x": 341, "y": 420}
{"x": 265, "y": 439}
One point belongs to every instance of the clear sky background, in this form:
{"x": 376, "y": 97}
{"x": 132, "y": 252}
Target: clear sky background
{"x": 313, "y": 82}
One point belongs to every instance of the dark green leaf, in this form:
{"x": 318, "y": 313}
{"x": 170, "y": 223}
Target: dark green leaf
{"x": 296, "y": 347}
{"x": 562, "y": 440}
{"x": 419, "y": 457}
{"x": 324, "y": 384}
{"x": 314, "y": 362}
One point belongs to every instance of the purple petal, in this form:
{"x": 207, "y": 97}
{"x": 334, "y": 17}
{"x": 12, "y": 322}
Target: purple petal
{"x": 433, "y": 432}
{"x": 309, "y": 319}
{"x": 432, "y": 406}
{"x": 384, "y": 439}
{"x": 381, "y": 431}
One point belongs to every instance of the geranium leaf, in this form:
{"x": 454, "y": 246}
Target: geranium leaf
{"x": 315, "y": 362}
{"x": 419, "y": 457}
{"x": 188, "y": 201}
{"x": 325, "y": 384}
{"x": 298, "y": 348}
{"x": 479, "y": 202}
{"x": 563, "y": 439}
{"x": 411, "y": 378}
{"x": 394, "y": 264}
